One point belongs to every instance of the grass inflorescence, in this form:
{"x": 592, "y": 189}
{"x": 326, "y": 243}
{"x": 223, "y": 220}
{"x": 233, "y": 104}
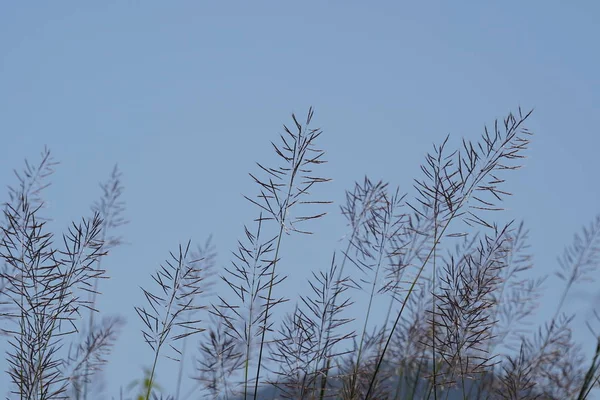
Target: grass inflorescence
{"x": 450, "y": 297}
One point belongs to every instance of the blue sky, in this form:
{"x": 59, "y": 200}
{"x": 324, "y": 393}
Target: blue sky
{"x": 186, "y": 96}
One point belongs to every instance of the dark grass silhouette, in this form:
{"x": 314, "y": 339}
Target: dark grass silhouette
{"x": 457, "y": 301}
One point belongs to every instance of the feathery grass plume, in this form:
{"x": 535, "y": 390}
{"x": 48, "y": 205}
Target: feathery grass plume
{"x": 410, "y": 343}
{"x": 514, "y": 302}
{"x": 307, "y": 337}
{"x": 414, "y": 242}
{"x": 516, "y": 383}
{"x": 553, "y": 373}
{"x": 329, "y": 319}
{"x": 361, "y": 205}
{"x": 111, "y": 207}
{"x": 379, "y": 252}
{"x": 412, "y": 245}
{"x": 206, "y": 255}
{"x": 90, "y": 354}
{"x": 282, "y": 191}
{"x": 249, "y": 279}
{"x": 33, "y": 179}
{"x": 516, "y": 299}
{"x": 458, "y": 331}
{"x": 287, "y": 186}
{"x": 292, "y": 352}
{"x": 565, "y": 378}
{"x": 218, "y": 361}
{"x": 405, "y": 249}
{"x": 433, "y": 203}
{"x": 466, "y": 246}
{"x": 580, "y": 259}
{"x": 167, "y": 320}
{"x": 465, "y": 183}
{"x": 355, "y": 375}
{"x": 550, "y": 363}
{"x": 578, "y": 262}
{"x": 464, "y": 327}
{"x": 44, "y": 290}
{"x": 358, "y": 209}
{"x": 553, "y": 361}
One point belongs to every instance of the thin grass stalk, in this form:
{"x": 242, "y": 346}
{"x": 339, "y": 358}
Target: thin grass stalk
{"x": 415, "y": 246}
{"x": 180, "y": 372}
{"x": 364, "y": 329}
{"x": 268, "y": 304}
{"x": 385, "y": 226}
{"x": 433, "y": 332}
{"x": 246, "y": 280}
{"x": 207, "y": 254}
{"x": 436, "y": 211}
{"x": 406, "y": 368}
{"x": 180, "y": 282}
{"x": 591, "y": 377}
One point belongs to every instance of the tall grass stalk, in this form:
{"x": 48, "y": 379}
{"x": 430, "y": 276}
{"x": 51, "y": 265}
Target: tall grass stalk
{"x": 180, "y": 281}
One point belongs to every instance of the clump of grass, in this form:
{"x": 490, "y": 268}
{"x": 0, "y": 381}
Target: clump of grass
{"x": 449, "y": 281}
{"x": 253, "y": 277}
{"x": 43, "y": 289}
{"x": 32, "y": 182}
{"x": 310, "y": 336}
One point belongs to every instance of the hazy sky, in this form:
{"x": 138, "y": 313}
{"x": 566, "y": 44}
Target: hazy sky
{"x": 186, "y": 96}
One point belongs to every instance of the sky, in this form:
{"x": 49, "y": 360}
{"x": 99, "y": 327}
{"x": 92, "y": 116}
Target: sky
{"x": 186, "y": 97}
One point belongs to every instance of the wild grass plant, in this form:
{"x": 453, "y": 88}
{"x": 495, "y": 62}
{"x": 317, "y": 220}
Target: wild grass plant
{"x": 457, "y": 288}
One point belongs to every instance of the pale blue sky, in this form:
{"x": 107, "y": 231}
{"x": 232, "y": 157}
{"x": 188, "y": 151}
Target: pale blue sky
{"x": 187, "y": 95}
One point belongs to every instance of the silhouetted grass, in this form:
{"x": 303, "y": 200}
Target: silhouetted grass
{"x": 456, "y": 287}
